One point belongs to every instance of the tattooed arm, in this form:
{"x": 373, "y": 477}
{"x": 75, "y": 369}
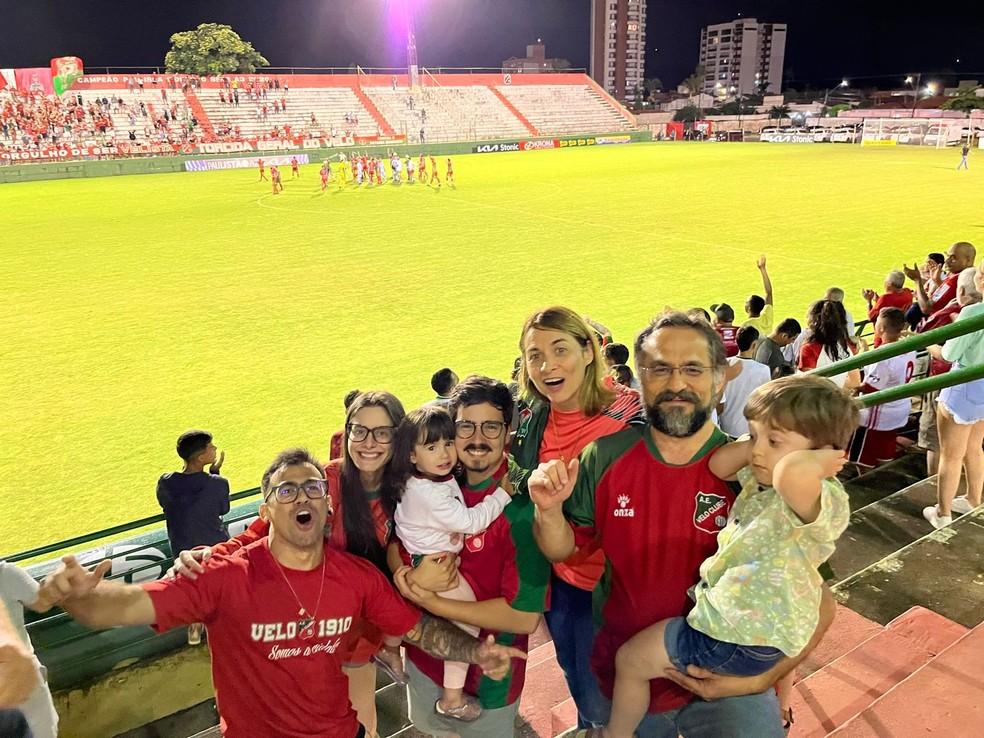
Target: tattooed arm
{"x": 445, "y": 641}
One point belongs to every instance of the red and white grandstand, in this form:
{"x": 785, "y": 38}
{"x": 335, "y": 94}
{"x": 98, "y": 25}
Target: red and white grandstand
{"x": 121, "y": 115}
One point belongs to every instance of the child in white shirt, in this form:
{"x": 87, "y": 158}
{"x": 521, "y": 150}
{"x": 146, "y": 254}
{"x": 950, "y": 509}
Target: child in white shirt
{"x": 432, "y": 517}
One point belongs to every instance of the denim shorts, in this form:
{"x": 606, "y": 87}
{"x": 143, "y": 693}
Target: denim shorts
{"x": 686, "y": 646}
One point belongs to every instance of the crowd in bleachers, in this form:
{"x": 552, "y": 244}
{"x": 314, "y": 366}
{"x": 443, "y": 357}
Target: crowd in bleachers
{"x": 496, "y": 505}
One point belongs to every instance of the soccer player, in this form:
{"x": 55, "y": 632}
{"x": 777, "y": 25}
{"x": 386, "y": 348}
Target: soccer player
{"x": 435, "y": 177}
{"x": 278, "y": 186}
{"x": 380, "y": 171}
{"x": 360, "y": 165}
{"x": 450, "y": 174}
{"x": 262, "y": 166}
{"x": 325, "y": 174}
{"x": 295, "y": 169}
{"x": 964, "y": 153}
{"x": 422, "y": 168}
{"x": 411, "y": 168}
{"x": 343, "y": 169}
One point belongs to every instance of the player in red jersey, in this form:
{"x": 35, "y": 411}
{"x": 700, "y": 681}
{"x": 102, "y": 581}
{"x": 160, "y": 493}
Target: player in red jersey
{"x": 280, "y": 614}
{"x": 449, "y": 177}
{"x": 325, "y": 175}
{"x": 295, "y": 168}
{"x": 422, "y": 168}
{"x": 262, "y": 167}
{"x": 278, "y": 186}
{"x": 435, "y": 177}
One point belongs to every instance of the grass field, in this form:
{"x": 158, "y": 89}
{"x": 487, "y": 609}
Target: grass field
{"x": 137, "y": 307}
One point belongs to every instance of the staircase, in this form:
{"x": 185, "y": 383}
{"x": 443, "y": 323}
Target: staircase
{"x": 200, "y": 115}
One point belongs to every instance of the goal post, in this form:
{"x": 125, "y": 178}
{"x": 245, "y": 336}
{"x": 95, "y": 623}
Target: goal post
{"x": 936, "y": 132}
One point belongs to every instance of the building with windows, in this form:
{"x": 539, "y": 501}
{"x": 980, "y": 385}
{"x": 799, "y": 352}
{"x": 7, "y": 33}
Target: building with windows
{"x": 535, "y": 61}
{"x": 618, "y": 46}
{"x": 743, "y": 57}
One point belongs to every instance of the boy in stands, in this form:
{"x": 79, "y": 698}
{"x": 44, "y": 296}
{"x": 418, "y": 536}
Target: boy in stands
{"x": 874, "y": 441}
{"x": 295, "y": 169}
{"x": 262, "y": 166}
{"x": 724, "y": 318}
{"x": 450, "y": 174}
{"x": 435, "y": 177}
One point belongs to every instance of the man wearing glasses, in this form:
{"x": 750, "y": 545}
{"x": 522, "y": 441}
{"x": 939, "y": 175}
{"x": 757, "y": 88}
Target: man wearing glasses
{"x": 654, "y": 506}
{"x": 509, "y": 575}
{"x": 278, "y": 612}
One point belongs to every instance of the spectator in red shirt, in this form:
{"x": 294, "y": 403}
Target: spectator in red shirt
{"x": 829, "y": 342}
{"x": 960, "y": 256}
{"x": 896, "y": 295}
{"x": 724, "y": 318}
{"x": 276, "y": 639}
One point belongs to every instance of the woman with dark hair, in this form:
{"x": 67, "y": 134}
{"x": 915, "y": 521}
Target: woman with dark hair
{"x": 569, "y": 404}
{"x": 363, "y": 493}
{"x": 828, "y": 342}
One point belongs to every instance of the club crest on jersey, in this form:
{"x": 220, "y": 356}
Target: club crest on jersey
{"x": 475, "y": 543}
{"x": 623, "y": 510}
{"x": 710, "y": 512}
{"x": 525, "y": 415}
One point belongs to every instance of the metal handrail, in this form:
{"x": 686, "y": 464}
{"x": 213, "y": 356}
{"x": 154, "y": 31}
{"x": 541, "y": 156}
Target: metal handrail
{"x": 922, "y": 386}
{"x": 913, "y": 343}
{"x": 106, "y": 532}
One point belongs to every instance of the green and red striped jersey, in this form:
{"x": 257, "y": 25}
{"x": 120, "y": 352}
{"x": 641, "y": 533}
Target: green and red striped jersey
{"x": 503, "y": 561}
{"x": 656, "y": 523}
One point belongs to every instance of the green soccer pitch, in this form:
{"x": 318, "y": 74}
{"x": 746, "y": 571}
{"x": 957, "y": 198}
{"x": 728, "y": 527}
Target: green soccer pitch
{"x": 138, "y": 307}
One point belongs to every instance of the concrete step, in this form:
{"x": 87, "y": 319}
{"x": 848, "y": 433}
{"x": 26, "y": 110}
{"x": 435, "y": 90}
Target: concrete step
{"x": 849, "y": 684}
{"x": 942, "y": 698}
{"x": 942, "y": 571}
{"x": 563, "y": 717}
{"x": 848, "y": 631}
{"x": 545, "y": 689}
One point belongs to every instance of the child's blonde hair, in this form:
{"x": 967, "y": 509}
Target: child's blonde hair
{"x": 814, "y": 407}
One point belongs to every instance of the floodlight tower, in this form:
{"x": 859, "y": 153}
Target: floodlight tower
{"x": 413, "y": 71}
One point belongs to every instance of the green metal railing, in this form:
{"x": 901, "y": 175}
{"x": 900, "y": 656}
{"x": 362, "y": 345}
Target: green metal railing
{"x": 913, "y": 343}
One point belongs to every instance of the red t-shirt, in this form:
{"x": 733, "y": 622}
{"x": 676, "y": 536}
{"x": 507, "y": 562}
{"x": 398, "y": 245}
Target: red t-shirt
{"x": 942, "y": 317}
{"x": 656, "y": 523}
{"x": 369, "y": 638}
{"x": 729, "y": 335}
{"x": 901, "y": 300}
{"x": 268, "y": 679}
{"x": 565, "y": 436}
{"x": 944, "y": 293}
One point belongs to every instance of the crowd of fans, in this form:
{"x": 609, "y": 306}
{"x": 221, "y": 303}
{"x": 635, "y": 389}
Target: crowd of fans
{"x": 579, "y": 485}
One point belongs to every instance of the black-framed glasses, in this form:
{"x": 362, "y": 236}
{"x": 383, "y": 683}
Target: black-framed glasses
{"x": 313, "y": 489}
{"x": 491, "y": 429}
{"x": 381, "y": 433}
{"x": 665, "y": 371}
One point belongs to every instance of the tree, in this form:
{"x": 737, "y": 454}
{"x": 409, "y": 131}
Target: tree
{"x": 779, "y": 112}
{"x": 688, "y": 114}
{"x": 834, "y": 110}
{"x": 212, "y": 48}
{"x": 694, "y": 83}
{"x": 964, "y": 101}
{"x": 735, "y": 107}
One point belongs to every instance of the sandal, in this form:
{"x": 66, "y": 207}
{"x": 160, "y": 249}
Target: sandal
{"x": 468, "y": 712}
{"x": 787, "y": 719}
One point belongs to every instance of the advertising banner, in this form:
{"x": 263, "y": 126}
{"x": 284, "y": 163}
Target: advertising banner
{"x": 209, "y": 165}
{"x": 549, "y": 143}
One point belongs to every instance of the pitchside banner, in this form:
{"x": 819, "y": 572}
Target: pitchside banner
{"x": 208, "y": 165}
{"x": 537, "y": 144}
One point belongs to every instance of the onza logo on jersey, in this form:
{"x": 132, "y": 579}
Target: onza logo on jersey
{"x": 710, "y": 512}
{"x": 623, "y": 510}
{"x": 475, "y": 543}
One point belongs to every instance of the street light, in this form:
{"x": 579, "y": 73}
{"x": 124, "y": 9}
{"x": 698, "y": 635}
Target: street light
{"x": 843, "y": 83}
{"x": 914, "y": 82}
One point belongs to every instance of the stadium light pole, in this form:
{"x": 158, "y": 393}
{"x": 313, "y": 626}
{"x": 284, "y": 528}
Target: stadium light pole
{"x": 915, "y": 90}
{"x": 413, "y": 71}
{"x": 826, "y": 95}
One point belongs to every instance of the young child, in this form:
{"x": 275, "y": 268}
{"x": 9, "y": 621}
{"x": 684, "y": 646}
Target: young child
{"x": 724, "y": 318}
{"x": 759, "y": 595}
{"x": 432, "y": 517}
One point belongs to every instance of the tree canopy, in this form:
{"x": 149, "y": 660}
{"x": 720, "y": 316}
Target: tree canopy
{"x": 212, "y": 48}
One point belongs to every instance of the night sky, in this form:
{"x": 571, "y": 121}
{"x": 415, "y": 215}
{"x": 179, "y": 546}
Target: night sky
{"x": 871, "y": 42}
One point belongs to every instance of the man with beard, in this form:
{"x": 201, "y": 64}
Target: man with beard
{"x": 508, "y": 573}
{"x": 278, "y": 613}
{"x": 655, "y": 508}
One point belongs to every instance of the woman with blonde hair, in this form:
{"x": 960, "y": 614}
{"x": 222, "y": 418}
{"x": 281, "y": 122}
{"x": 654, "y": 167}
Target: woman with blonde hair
{"x": 568, "y": 401}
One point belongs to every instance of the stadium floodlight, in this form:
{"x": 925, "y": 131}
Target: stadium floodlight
{"x": 931, "y": 88}
{"x": 844, "y": 83}
{"x": 908, "y": 80}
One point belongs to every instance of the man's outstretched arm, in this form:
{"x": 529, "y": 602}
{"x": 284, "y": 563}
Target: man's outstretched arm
{"x": 448, "y": 642}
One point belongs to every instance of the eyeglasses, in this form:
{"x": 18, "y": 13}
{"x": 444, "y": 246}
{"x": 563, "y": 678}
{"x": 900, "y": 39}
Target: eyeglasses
{"x": 381, "y": 434}
{"x": 491, "y": 429}
{"x": 313, "y": 489}
{"x": 665, "y": 371}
